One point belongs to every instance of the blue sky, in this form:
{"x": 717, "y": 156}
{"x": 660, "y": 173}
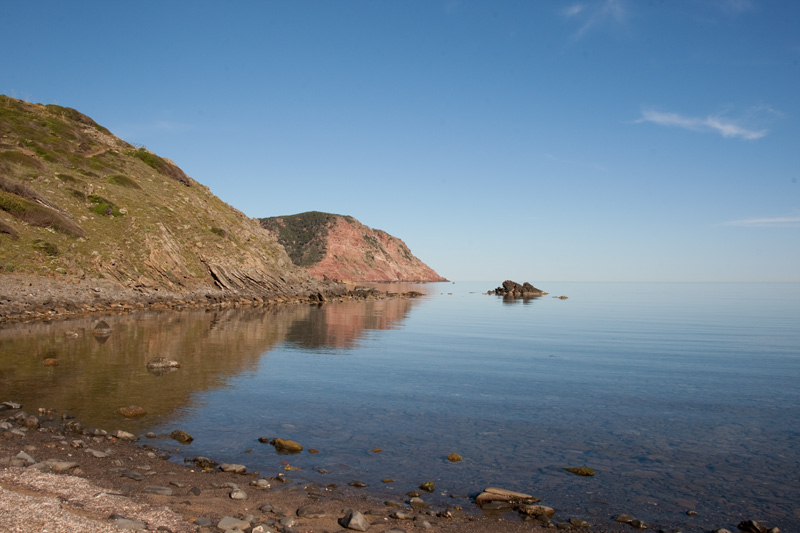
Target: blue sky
{"x": 610, "y": 140}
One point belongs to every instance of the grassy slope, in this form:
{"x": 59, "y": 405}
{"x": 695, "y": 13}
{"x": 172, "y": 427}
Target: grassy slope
{"x": 75, "y": 201}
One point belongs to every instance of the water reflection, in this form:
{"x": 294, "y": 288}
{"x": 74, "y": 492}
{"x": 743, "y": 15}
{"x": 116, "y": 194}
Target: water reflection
{"x": 96, "y": 374}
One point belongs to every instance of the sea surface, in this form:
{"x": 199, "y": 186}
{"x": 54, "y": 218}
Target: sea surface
{"x": 680, "y": 396}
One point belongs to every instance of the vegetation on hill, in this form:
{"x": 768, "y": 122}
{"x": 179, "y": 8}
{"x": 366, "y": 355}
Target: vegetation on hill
{"x": 304, "y": 236}
{"x": 76, "y": 202}
{"x": 340, "y": 247}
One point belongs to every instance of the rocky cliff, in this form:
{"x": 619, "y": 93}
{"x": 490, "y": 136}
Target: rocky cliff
{"x": 341, "y": 248}
{"x": 78, "y": 204}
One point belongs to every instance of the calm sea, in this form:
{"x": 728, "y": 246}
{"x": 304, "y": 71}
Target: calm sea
{"x": 679, "y": 396}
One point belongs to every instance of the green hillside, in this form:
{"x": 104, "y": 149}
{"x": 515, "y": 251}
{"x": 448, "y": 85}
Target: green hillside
{"x": 76, "y": 202}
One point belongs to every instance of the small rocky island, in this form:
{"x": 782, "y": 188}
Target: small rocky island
{"x": 515, "y": 290}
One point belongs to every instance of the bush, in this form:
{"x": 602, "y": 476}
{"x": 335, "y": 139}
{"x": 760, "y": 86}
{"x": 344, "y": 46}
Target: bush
{"x": 47, "y": 247}
{"x": 8, "y": 230}
{"x": 103, "y": 207}
{"x": 18, "y": 158}
{"x": 123, "y": 181}
{"x": 161, "y": 165}
{"x": 219, "y": 231}
{"x": 38, "y": 215}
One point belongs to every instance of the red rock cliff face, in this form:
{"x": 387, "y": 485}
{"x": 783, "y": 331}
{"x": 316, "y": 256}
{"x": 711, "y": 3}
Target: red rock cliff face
{"x": 355, "y": 252}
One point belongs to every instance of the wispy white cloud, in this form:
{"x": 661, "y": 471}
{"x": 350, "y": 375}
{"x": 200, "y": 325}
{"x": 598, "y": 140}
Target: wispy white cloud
{"x": 595, "y": 14}
{"x": 765, "y": 222}
{"x": 724, "y": 126}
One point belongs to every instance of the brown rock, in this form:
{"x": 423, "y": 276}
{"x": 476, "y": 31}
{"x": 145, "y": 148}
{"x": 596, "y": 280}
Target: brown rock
{"x": 132, "y": 411}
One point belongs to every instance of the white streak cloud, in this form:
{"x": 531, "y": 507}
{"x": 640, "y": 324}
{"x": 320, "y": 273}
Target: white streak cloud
{"x": 724, "y": 126}
{"x": 766, "y": 222}
{"x": 606, "y": 12}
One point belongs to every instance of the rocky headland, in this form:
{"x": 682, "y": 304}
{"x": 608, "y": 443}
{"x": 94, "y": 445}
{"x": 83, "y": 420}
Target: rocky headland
{"x": 340, "y": 247}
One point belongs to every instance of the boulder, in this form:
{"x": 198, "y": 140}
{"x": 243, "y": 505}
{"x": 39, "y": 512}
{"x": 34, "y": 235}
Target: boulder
{"x": 286, "y": 446}
{"x": 355, "y": 521}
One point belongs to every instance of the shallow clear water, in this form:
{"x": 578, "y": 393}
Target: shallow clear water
{"x": 679, "y": 396}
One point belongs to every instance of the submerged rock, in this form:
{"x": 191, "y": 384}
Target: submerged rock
{"x": 181, "y": 436}
{"x": 132, "y": 411}
{"x": 160, "y": 365}
{"x": 580, "y": 471}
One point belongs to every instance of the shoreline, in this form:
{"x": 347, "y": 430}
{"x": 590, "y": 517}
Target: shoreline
{"x": 25, "y": 298}
{"x": 55, "y": 475}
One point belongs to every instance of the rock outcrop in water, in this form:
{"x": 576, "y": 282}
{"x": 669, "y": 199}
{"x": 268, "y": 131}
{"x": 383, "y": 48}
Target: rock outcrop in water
{"x": 514, "y": 289}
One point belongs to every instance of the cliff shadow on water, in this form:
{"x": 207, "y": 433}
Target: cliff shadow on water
{"x": 73, "y": 368}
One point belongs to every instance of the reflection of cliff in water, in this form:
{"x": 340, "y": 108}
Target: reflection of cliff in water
{"x": 341, "y": 325}
{"x": 95, "y": 376}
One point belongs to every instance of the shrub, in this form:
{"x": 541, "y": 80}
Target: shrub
{"x": 38, "y": 215}
{"x": 18, "y": 158}
{"x": 161, "y": 165}
{"x": 8, "y": 230}
{"x": 123, "y": 181}
{"x": 47, "y": 247}
{"x": 219, "y": 231}
{"x": 103, "y": 207}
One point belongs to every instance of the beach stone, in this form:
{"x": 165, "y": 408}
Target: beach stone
{"x": 422, "y": 523}
{"x": 238, "y": 494}
{"x": 577, "y": 522}
{"x": 751, "y": 526}
{"x": 203, "y": 522}
{"x": 287, "y": 521}
{"x": 133, "y": 525}
{"x": 402, "y": 515}
{"x": 195, "y": 491}
{"x": 60, "y": 466}
{"x": 157, "y": 489}
{"x": 454, "y": 458}
{"x": 181, "y": 436}
{"x": 96, "y": 453}
{"x": 233, "y": 468}
{"x": 130, "y": 474}
{"x": 25, "y": 457}
{"x": 311, "y": 512}
{"x": 266, "y": 508}
{"x": 497, "y": 505}
{"x": 132, "y": 411}
{"x": 261, "y": 483}
{"x": 229, "y": 522}
{"x": 537, "y": 510}
{"x": 124, "y": 435}
{"x": 204, "y": 462}
{"x": 50, "y": 362}
{"x": 417, "y": 503}
{"x": 493, "y": 494}
{"x": 355, "y": 521}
